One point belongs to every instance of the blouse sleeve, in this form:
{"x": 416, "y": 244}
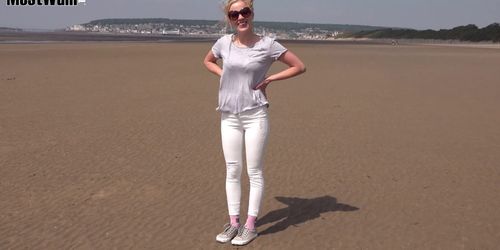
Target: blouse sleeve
{"x": 217, "y": 48}
{"x": 277, "y": 50}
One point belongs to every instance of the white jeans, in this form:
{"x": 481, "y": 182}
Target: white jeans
{"x": 248, "y": 130}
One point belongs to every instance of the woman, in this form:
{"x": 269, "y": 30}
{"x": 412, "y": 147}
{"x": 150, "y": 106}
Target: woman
{"x": 243, "y": 104}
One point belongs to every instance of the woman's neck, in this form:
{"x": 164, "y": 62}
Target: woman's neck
{"x": 246, "y": 38}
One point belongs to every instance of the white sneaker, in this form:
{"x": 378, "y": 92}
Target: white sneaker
{"x": 244, "y": 236}
{"x": 227, "y": 234}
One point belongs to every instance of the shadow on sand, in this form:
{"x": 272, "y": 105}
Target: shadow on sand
{"x": 300, "y": 210}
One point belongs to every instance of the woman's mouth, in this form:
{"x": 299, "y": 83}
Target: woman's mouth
{"x": 242, "y": 23}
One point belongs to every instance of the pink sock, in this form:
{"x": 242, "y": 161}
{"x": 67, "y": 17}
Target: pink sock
{"x": 250, "y": 224}
{"x": 235, "y": 220}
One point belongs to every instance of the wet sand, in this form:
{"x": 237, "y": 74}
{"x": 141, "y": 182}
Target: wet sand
{"x": 117, "y": 146}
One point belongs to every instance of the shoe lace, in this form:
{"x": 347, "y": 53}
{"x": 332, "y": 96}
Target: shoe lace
{"x": 242, "y": 231}
{"x": 228, "y": 229}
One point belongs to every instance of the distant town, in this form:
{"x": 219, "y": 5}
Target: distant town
{"x": 155, "y": 29}
{"x": 205, "y": 28}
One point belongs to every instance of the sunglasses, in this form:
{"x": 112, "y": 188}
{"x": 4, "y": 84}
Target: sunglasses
{"x": 245, "y": 12}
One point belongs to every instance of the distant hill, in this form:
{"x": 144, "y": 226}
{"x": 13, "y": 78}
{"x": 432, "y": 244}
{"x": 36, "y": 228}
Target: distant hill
{"x": 462, "y": 33}
{"x": 6, "y": 29}
{"x": 133, "y": 21}
{"x": 285, "y": 26}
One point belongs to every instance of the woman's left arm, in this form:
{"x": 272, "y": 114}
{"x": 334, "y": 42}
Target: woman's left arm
{"x": 295, "y": 67}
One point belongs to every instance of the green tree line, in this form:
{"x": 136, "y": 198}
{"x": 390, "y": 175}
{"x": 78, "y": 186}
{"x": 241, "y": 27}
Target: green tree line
{"x": 463, "y": 33}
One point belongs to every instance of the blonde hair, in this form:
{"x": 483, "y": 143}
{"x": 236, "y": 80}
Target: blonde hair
{"x": 228, "y": 3}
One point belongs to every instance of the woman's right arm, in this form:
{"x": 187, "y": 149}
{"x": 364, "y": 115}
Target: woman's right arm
{"x": 211, "y": 64}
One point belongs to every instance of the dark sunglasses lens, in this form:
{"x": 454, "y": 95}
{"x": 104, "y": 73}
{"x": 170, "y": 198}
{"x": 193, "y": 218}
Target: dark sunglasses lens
{"x": 246, "y": 12}
{"x": 233, "y": 15}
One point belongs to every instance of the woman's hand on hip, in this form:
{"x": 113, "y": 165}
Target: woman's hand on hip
{"x": 263, "y": 85}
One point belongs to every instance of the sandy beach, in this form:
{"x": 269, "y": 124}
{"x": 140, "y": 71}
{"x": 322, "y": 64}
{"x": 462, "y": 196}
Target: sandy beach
{"x": 116, "y": 145}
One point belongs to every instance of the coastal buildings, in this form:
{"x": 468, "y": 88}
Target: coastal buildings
{"x": 203, "y": 29}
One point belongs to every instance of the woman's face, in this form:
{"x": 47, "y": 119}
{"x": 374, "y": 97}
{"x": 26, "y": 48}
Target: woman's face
{"x": 244, "y": 21}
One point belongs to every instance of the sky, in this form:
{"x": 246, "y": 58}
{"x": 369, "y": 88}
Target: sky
{"x": 416, "y": 14}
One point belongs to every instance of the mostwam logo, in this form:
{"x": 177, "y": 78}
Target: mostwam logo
{"x": 45, "y": 2}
